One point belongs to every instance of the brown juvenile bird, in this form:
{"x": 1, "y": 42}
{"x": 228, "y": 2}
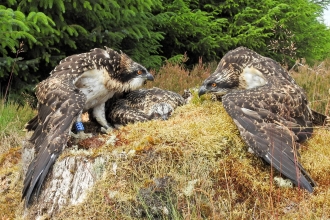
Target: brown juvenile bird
{"x": 270, "y": 110}
{"x": 79, "y": 83}
{"x": 144, "y": 105}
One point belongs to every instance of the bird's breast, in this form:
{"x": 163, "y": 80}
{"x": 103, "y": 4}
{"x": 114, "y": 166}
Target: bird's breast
{"x": 93, "y": 84}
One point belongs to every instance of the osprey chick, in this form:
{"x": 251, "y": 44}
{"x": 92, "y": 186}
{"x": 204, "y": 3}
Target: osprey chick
{"x": 80, "y": 82}
{"x": 143, "y": 105}
{"x": 270, "y": 110}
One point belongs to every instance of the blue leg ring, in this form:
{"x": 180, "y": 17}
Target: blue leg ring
{"x": 79, "y": 126}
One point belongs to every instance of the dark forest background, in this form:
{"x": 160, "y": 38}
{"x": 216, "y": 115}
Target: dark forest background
{"x": 36, "y": 34}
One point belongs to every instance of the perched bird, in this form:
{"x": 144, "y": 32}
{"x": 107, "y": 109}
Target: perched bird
{"x": 80, "y": 82}
{"x": 143, "y": 105}
{"x": 270, "y": 110}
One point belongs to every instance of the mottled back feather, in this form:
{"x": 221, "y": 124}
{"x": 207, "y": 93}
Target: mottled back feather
{"x": 136, "y": 105}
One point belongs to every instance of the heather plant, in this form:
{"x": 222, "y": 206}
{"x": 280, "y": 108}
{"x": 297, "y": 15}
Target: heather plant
{"x": 316, "y": 82}
{"x": 175, "y": 76}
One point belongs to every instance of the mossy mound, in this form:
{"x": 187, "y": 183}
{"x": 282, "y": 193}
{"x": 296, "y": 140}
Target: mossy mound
{"x": 194, "y": 166}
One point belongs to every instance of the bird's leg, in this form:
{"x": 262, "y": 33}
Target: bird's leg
{"x": 99, "y": 115}
{"x": 80, "y": 130}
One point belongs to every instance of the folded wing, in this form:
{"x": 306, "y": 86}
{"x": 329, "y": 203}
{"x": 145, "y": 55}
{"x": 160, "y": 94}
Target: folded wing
{"x": 271, "y": 129}
{"x": 59, "y": 105}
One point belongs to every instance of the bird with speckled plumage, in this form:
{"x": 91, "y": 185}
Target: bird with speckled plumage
{"x": 270, "y": 110}
{"x": 77, "y": 84}
{"x": 143, "y": 105}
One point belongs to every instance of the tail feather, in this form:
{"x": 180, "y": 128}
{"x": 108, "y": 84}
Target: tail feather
{"x": 286, "y": 165}
{"x": 319, "y": 119}
{"x": 32, "y": 124}
{"x": 37, "y": 173}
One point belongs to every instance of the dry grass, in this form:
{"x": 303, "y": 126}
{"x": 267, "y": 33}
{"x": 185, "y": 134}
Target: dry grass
{"x": 10, "y": 183}
{"x": 316, "y": 82}
{"x": 176, "y": 77}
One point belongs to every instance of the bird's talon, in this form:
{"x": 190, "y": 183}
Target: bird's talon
{"x": 106, "y": 130}
{"x": 81, "y": 135}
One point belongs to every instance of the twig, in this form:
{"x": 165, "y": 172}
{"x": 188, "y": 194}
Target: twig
{"x": 12, "y": 71}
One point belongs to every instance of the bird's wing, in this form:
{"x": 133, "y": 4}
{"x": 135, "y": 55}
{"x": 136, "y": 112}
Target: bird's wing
{"x": 135, "y": 105}
{"x": 60, "y": 102}
{"x": 320, "y": 119}
{"x": 123, "y": 114}
{"x": 174, "y": 99}
{"x": 267, "y": 132}
{"x": 139, "y": 98}
{"x": 79, "y": 63}
{"x": 32, "y": 124}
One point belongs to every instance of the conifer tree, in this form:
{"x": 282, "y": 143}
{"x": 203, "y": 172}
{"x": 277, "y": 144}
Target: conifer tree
{"x": 76, "y": 26}
{"x": 151, "y": 31}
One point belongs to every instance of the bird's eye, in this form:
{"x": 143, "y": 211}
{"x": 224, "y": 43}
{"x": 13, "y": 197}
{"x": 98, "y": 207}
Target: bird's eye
{"x": 214, "y": 85}
{"x": 139, "y": 72}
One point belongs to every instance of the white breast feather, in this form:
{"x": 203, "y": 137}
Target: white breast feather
{"x": 93, "y": 84}
{"x": 135, "y": 83}
{"x": 253, "y": 78}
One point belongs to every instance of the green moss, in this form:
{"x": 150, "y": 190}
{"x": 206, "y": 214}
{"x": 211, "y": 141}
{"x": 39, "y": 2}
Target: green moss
{"x": 10, "y": 184}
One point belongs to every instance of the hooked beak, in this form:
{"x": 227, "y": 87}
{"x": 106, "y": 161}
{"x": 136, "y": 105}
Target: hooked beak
{"x": 149, "y": 76}
{"x": 202, "y": 90}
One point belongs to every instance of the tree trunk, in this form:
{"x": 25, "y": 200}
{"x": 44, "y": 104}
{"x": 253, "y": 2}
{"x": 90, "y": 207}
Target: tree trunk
{"x": 67, "y": 182}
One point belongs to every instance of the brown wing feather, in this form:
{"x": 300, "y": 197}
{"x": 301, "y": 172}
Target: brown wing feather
{"x": 135, "y": 105}
{"x": 269, "y": 108}
{"x": 144, "y": 98}
{"x": 122, "y": 113}
{"x": 270, "y": 130}
{"x": 59, "y": 105}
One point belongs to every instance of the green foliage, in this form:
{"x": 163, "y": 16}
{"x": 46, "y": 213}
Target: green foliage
{"x": 280, "y": 29}
{"x": 15, "y": 27}
{"x": 192, "y": 30}
{"x": 153, "y": 31}
{"x": 298, "y": 32}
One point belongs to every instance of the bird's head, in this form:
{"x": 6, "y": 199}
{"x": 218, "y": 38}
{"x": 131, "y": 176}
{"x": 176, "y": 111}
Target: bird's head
{"x": 136, "y": 75}
{"x": 235, "y": 71}
{"x": 161, "y": 111}
{"x": 129, "y": 73}
{"x": 224, "y": 79}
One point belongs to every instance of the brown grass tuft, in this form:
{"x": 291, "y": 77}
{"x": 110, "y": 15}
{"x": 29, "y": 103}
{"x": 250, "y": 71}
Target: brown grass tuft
{"x": 176, "y": 77}
{"x": 316, "y": 82}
